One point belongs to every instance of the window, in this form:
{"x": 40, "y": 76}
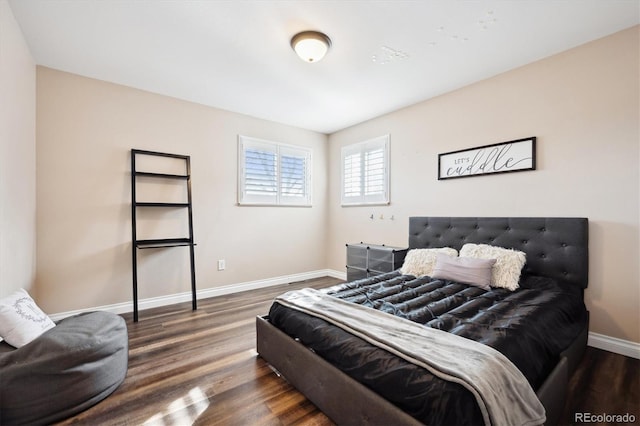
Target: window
{"x": 365, "y": 172}
{"x": 272, "y": 173}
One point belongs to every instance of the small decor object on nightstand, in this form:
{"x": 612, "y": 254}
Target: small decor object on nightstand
{"x": 366, "y": 260}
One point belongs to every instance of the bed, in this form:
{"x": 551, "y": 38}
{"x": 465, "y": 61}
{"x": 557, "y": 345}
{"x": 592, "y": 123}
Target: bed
{"x": 556, "y": 269}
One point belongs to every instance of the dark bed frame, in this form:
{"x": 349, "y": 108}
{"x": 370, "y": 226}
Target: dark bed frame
{"x": 555, "y": 247}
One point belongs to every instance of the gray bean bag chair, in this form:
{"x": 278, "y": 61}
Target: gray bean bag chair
{"x": 66, "y": 370}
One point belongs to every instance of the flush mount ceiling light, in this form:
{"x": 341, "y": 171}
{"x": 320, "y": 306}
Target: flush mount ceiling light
{"x": 311, "y": 46}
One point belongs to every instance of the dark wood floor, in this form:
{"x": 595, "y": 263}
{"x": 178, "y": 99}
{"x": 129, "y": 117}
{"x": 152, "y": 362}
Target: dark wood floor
{"x": 201, "y": 368}
{"x": 604, "y": 383}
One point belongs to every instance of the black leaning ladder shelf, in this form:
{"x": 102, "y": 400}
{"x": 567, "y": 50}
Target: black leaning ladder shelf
{"x": 160, "y": 242}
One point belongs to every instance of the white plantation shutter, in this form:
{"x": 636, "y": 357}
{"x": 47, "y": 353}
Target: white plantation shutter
{"x": 352, "y": 175}
{"x": 294, "y": 176}
{"x": 365, "y": 172}
{"x": 375, "y": 172}
{"x": 260, "y": 173}
{"x": 271, "y": 173}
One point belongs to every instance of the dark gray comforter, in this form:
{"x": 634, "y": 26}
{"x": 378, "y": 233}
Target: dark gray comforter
{"x": 530, "y": 326}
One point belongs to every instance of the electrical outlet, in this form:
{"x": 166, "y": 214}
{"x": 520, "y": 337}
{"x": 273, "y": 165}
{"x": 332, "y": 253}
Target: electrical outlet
{"x": 221, "y": 265}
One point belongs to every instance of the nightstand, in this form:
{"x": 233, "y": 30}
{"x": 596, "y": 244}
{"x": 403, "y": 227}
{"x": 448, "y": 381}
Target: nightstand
{"x": 366, "y": 260}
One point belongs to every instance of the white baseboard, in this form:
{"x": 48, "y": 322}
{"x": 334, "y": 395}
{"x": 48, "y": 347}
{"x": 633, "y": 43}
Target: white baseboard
{"x": 341, "y": 275}
{"x": 600, "y": 341}
{"x": 613, "y": 344}
{"x": 155, "y": 302}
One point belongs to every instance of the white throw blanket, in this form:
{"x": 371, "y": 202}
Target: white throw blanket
{"x": 501, "y": 390}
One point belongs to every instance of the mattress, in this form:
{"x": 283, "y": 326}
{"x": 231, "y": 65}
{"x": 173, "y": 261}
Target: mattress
{"x": 530, "y": 326}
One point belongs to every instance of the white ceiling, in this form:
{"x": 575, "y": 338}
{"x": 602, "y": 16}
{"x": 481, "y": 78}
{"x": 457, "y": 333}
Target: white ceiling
{"x": 235, "y": 55}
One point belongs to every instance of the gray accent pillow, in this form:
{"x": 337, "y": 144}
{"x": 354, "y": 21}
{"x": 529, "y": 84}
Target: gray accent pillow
{"x": 465, "y": 270}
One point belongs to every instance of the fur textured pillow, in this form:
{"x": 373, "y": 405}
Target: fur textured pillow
{"x": 420, "y": 262}
{"x": 466, "y": 270}
{"x": 509, "y": 263}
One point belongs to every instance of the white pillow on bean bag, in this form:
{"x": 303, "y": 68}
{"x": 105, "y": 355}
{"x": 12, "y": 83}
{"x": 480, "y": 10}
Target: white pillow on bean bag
{"x": 21, "y": 320}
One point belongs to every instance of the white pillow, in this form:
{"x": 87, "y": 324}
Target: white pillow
{"x": 420, "y": 262}
{"x": 509, "y": 263}
{"x": 21, "y": 320}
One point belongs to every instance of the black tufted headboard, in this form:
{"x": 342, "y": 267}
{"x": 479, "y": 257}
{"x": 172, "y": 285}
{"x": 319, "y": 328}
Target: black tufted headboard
{"x": 556, "y": 247}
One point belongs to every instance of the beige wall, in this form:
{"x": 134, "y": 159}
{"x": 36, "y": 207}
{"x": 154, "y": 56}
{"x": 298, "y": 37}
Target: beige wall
{"x": 85, "y": 131}
{"x": 17, "y": 157}
{"x": 583, "y": 107}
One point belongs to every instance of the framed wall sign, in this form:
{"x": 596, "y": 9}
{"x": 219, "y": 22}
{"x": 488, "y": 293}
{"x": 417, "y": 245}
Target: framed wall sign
{"x": 512, "y": 156}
